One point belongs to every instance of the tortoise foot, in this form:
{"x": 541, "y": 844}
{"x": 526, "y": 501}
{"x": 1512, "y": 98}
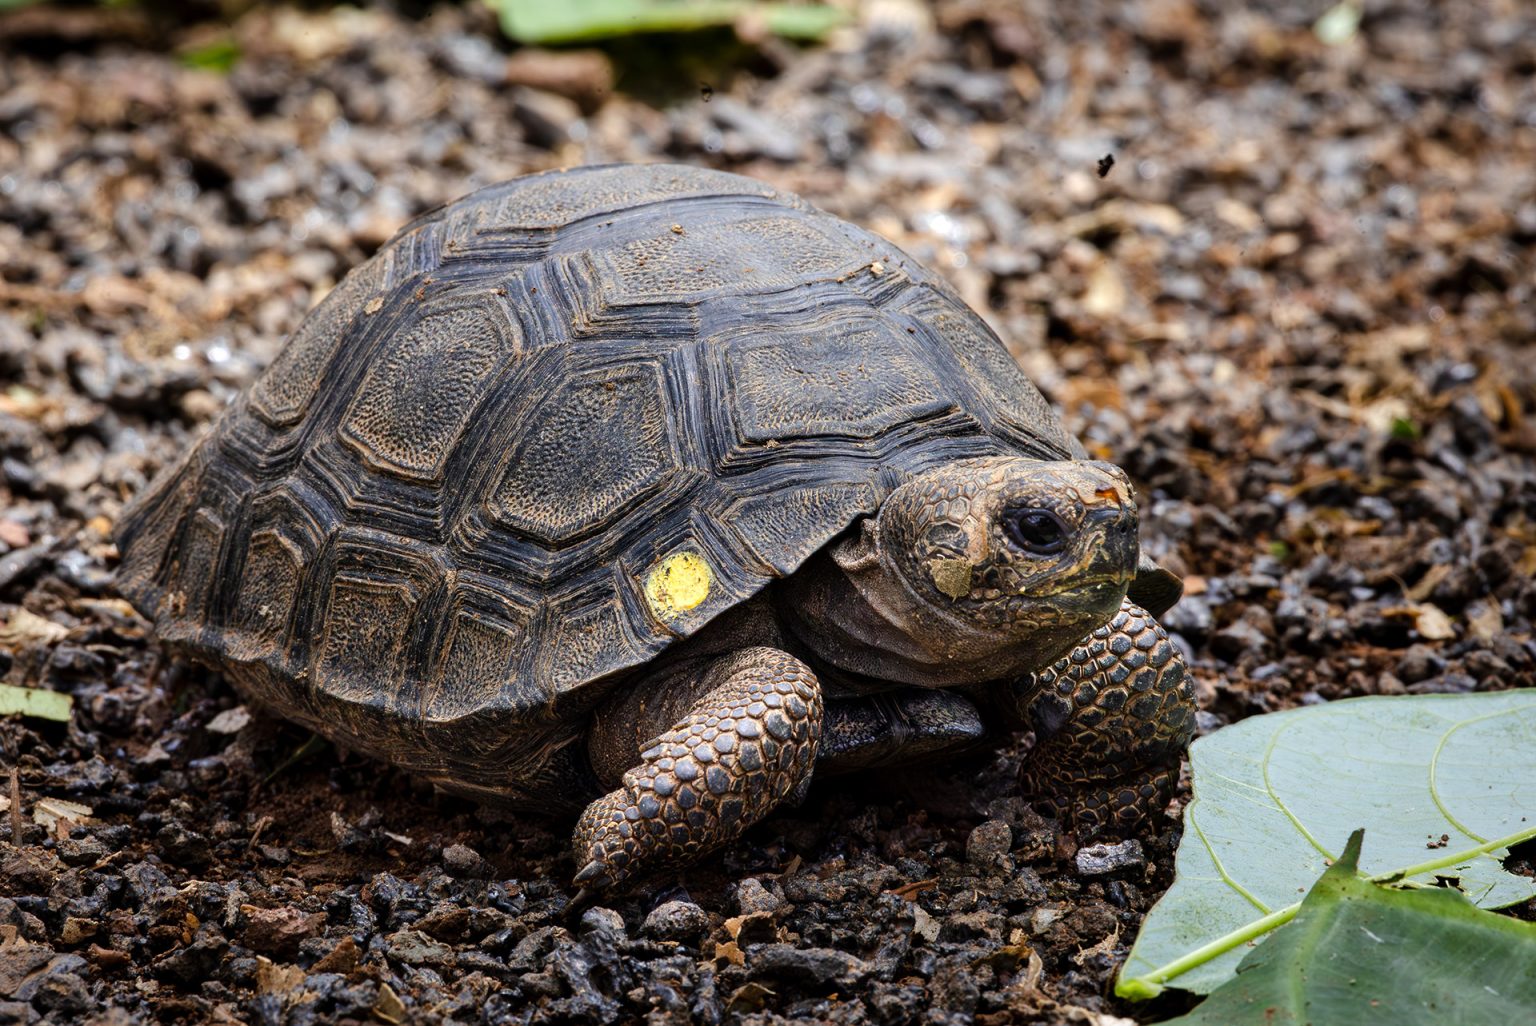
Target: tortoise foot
{"x": 745, "y": 745}
{"x": 1112, "y": 719}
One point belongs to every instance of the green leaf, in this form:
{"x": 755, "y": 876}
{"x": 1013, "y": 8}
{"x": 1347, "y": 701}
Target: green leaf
{"x": 573, "y": 21}
{"x": 37, "y": 703}
{"x": 220, "y": 55}
{"x": 1359, "y": 954}
{"x": 1442, "y": 782}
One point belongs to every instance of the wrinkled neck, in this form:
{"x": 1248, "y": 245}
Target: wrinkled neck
{"x": 854, "y": 612}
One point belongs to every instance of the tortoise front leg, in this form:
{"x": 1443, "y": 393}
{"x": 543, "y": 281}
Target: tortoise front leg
{"x": 746, "y": 739}
{"x": 1111, "y": 720}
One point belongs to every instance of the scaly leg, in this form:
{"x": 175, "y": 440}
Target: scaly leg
{"x": 1111, "y": 720}
{"x": 747, "y": 740}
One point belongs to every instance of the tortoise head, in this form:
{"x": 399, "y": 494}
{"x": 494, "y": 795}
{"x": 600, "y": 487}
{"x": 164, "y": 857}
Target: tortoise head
{"x": 986, "y": 568}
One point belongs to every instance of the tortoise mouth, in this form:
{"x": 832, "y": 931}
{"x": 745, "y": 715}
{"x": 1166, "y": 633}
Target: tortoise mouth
{"x": 1090, "y": 586}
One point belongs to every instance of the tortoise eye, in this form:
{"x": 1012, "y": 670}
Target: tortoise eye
{"x": 1036, "y": 531}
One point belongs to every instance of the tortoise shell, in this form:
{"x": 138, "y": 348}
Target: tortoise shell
{"x": 543, "y": 434}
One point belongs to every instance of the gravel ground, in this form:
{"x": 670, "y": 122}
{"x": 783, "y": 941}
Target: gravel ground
{"x": 1298, "y": 308}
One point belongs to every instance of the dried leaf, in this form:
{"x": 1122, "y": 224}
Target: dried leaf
{"x": 1426, "y": 584}
{"x": 1105, "y": 296}
{"x": 27, "y": 628}
{"x": 924, "y": 925}
{"x": 1104, "y": 947}
{"x": 1484, "y": 620}
{"x": 748, "y": 998}
{"x": 272, "y": 978}
{"x": 55, "y": 814}
{"x": 1432, "y": 623}
{"x": 389, "y": 1007}
{"x": 230, "y": 721}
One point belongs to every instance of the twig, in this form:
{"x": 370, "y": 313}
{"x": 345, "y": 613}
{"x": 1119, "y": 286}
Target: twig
{"x": 16, "y": 807}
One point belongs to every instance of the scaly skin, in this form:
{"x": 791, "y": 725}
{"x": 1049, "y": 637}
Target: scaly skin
{"x": 744, "y": 747}
{"x": 1111, "y": 720}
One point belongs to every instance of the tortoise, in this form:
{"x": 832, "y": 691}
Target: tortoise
{"x": 654, "y": 490}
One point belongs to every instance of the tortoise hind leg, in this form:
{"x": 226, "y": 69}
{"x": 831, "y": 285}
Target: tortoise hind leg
{"x": 1112, "y": 719}
{"x": 746, "y": 738}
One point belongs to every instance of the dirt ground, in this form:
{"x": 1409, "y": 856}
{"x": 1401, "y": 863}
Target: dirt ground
{"x": 1299, "y": 309}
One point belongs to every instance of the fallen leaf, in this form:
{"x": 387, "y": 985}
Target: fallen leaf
{"x": 55, "y": 814}
{"x": 389, "y": 1007}
{"x": 748, "y": 998}
{"x": 924, "y": 925}
{"x": 1103, "y": 947}
{"x": 37, "y": 703}
{"x": 1484, "y": 620}
{"x": 1432, "y": 623}
{"x": 26, "y": 628}
{"x": 1426, "y": 584}
{"x": 230, "y": 721}
{"x": 272, "y": 978}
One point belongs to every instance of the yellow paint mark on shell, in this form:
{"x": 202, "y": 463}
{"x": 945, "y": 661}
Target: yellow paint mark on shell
{"x": 678, "y": 583}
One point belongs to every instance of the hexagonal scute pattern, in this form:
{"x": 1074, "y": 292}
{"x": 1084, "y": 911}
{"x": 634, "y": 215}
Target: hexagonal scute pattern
{"x": 598, "y": 444}
{"x": 433, "y": 530}
{"x": 421, "y": 391}
{"x": 1005, "y": 393}
{"x": 281, "y": 396}
{"x": 696, "y": 255}
{"x": 844, "y": 378}
{"x": 483, "y": 656}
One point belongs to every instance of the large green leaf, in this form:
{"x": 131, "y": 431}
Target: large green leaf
{"x": 1443, "y": 784}
{"x": 1360, "y": 954}
{"x": 573, "y": 21}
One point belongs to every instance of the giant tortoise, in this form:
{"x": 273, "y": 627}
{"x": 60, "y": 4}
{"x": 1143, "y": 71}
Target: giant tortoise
{"x": 655, "y": 490}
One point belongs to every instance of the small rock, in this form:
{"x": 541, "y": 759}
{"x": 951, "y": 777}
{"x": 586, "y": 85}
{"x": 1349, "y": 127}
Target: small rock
{"x": 18, "y": 962}
{"x": 278, "y": 930}
{"x": 462, "y": 860}
{"x": 989, "y": 844}
{"x": 28, "y": 871}
{"x": 1098, "y": 859}
{"x": 1238, "y": 639}
{"x": 603, "y": 920}
{"x": 415, "y": 948}
{"x": 1420, "y": 662}
{"x": 676, "y": 920}
{"x": 754, "y": 898}
{"x": 819, "y": 967}
{"x": 64, "y": 994}
{"x": 971, "y": 926}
